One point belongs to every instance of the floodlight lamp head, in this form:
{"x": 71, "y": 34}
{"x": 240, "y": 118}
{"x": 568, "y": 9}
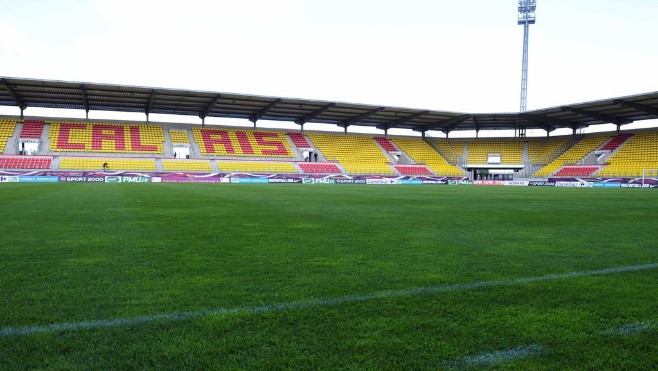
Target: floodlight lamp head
{"x": 527, "y": 11}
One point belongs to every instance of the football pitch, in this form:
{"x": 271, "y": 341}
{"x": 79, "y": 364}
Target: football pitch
{"x": 197, "y": 276}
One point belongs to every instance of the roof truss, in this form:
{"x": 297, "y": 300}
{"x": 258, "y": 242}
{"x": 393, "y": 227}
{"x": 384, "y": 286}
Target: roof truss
{"x": 640, "y": 107}
{"x": 358, "y": 118}
{"x": 17, "y": 99}
{"x": 311, "y": 116}
{"x": 597, "y": 116}
{"x": 203, "y": 114}
{"x": 259, "y": 114}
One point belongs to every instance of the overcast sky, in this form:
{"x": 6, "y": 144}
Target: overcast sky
{"x": 432, "y": 54}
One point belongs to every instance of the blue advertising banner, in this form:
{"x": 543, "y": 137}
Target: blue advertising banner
{"x": 249, "y": 180}
{"x": 606, "y": 185}
{"x": 38, "y": 179}
{"x": 411, "y": 181}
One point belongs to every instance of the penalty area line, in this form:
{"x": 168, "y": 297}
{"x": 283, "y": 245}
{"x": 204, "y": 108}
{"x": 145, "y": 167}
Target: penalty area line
{"x": 302, "y": 304}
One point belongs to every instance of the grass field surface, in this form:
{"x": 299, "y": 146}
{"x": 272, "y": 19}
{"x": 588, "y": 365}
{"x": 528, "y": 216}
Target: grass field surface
{"x": 174, "y": 276}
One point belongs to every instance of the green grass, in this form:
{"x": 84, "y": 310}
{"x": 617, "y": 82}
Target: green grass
{"x": 78, "y": 252}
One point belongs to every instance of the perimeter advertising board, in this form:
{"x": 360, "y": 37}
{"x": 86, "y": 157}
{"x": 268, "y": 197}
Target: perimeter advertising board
{"x": 127, "y": 179}
{"x": 573, "y": 184}
{"x": 539, "y": 183}
{"x": 489, "y": 182}
{"x": 9, "y": 179}
{"x": 606, "y": 185}
{"x": 350, "y": 181}
{"x": 249, "y": 180}
{"x": 38, "y": 179}
{"x": 382, "y": 181}
{"x": 82, "y": 179}
{"x": 460, "y": 182}
{"x": 517, "y": 183}
{"x": 275, "y": 180}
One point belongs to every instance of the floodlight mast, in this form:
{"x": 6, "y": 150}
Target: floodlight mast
{"x": 526, "y": 18}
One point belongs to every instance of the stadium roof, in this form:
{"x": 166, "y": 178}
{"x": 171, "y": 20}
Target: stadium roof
{"x": 26, "y": 93}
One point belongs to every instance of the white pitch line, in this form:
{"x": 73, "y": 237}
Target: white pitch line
{"x": 632, "y": 328}
{"x": 494, "y": 358}
{"x": 109, "y": 323}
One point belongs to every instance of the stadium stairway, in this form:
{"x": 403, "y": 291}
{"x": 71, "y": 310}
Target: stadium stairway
{"x": 44, "y": 142}
{"x": 195, "y": 151}
{"x": 54, "y": 165}
{"x": 158, "y": 161}
{"x": 613, "y": 146}
{"x": 293, "y": 147}
{"x": 168, "y": 148}
{"x": 385, "y": 150}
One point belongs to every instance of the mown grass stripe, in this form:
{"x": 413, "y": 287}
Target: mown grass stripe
{"x": 27, "y": 330}
{"x": 494, "y": 358}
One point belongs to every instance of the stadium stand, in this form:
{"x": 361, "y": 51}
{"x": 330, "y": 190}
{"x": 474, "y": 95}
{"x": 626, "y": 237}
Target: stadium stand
{"x": 108, "y": 138}
{"x": 186, "y": 165}
{"x": 249, "y": 143}
{"x": 574, "y": 154}
{"x": 25, "y": 162}
{"x": 257, "y": 166}
{"x": 577, "y": 171}
{"x": 386, "y": 144}
{"x": 357, "y": 154}
{"x": 445, "y": 149}
{"x": 547, "y": 150}
{"x": 31, "y": 129}
{"x": 299, "y": 140}
{"x": 114, "y": 164}
{"x": 511, "y": 151}
{"x": 423, "y": 153}
{"x": 412, "y": 170}
{"x": 7, "y": 128}
{"x": 179, "y": 136}
{"x": 638, "y": 153}
{"x": 319, "y": 168}
{"x": 615, "y": 142}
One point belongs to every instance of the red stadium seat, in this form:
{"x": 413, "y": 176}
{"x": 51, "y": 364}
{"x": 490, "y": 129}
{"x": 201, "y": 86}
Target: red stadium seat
{"x": 319, "y": 168}
{"x": 386, "y": 144}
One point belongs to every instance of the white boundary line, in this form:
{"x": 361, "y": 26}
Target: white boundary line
{"x": 632, "y": 328}
{"x": 493, "y": 358}
{"x": 110, "y": 323}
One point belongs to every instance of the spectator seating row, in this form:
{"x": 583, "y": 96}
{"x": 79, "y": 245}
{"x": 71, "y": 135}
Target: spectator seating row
{"x": 186, "y": 165}
{"x": 413, "y": 170}
{"x": 7, "y": 128}
{"x": 299, "y": 140}
{"x": 615, "y": 142}
{"x": 511, "y": 151}
{"x": 357, "y": 154}
{"x": 319, "y": 168}
{"x": 257, "y": 166}
{"x": 639, "y": 153}
{"x": 110, "y": 138}
{"x": 577, "y": 171}
{"x": 113, "y": 164}
{"x": 31, "y": 129}
{"x": 246, "y": 143}
{"x": 386, "y": 144}
{"x": 544, "y": 151}
{"x": 447, "y": 150}
{"x": 25, "y": 162}
{"x": 423, "y": 153}
{"x": 179, "y": 136}
{"x": 574, "y": 154}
